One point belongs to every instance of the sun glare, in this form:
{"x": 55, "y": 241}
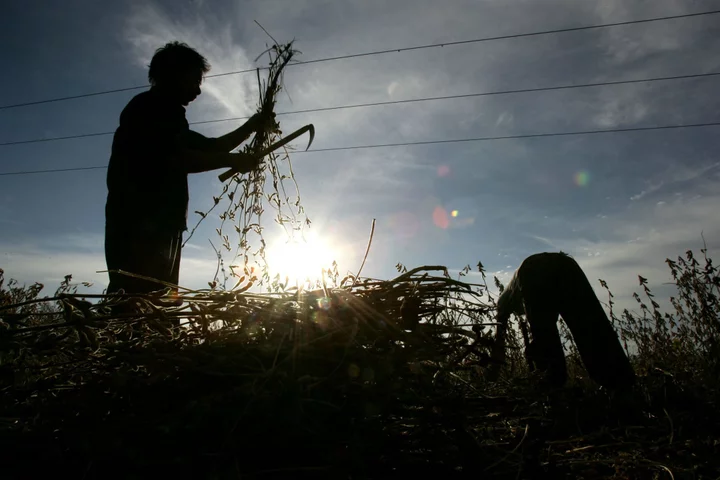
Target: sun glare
{"x": 300, "y": 260}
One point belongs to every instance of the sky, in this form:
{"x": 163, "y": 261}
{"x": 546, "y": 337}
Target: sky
{"x": 620, "y": 203}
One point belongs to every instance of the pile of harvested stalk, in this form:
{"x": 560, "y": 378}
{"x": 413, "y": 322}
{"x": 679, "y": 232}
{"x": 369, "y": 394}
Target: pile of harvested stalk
{"x": 364, "y": 379}
{"x": 291, "y": 381}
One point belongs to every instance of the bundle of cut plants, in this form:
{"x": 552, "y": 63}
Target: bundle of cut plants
{"x": 247, "y": 196}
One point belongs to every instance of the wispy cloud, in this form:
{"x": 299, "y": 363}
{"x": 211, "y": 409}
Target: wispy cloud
{"x": 679, "y": 177}
{"x": 29, "y": 263}
{"x": 649, "y": 190}
{"x": 149, "y": 27}
{"x": 622, "y": 111}
{"x": 638, "y": 241}
{"x": 83, "y": 257}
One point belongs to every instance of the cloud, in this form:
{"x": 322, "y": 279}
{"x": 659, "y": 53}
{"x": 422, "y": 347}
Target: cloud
{"x": 620, "y": 112}
{"x": 629, "y": 45}
{"x": 48, "y": 261}
{"x": 633, "y": 243}
{"x": 546, "y": 241}
{"x": 678, "y": 177}
{"x": 149, "y": 27}
{"x": 638, "y": 241}
{"x": 29, "y": 263}
{"x": 651, "y": 189}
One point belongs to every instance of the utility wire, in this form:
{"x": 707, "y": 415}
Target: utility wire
{"x": 397, "y": 102}
{"x": 434, "y": 142}
{"x": 54, "y": 170}
{"x": 512, "y": 137}
{"x": 394, "y": 50}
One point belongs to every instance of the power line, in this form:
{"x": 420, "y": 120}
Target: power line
{"x": 434, "y": 142}
{"x": 397, "y": 102}
{"x": 482, "y": 94}
{"x": 54, "y": 170}
{"x": 514, "y": 137}
{"x": 507, "y": 37}
{"x": 393, "y": 50}
{"x": 53, "y": 139}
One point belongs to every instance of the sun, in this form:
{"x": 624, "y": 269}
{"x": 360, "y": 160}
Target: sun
{"x": 300, "y": 260}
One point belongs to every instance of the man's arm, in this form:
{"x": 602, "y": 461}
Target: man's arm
{"x": 197, "y": 161}
{"x": 231, "y": 140}
{"x": 227, "y": 142}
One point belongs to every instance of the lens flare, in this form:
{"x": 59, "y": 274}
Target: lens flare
{"x": 454, "y": 213}
{"x": 443, "y": 171}
{"x": 582, "y": 178}
{"x": 440, "y": 218}
{"x": 323, "y": 303}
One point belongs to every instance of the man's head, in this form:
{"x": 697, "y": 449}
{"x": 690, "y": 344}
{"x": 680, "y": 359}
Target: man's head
{"x": 178, "y": 70}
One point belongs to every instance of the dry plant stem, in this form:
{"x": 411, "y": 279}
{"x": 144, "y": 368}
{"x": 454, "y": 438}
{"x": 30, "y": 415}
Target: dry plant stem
{"x": 143, "y": 277}
{"x": 367, "y": 251}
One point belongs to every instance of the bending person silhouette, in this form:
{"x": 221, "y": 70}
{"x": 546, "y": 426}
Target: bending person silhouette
{"x": 153, "y": 152}
{"x": 552, "y": 285}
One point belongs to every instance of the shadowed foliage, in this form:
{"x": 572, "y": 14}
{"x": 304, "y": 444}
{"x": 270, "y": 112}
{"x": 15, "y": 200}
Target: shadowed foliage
{"x": 360, "y": 379}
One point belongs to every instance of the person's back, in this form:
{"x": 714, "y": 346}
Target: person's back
{"x": 141, "y": 180}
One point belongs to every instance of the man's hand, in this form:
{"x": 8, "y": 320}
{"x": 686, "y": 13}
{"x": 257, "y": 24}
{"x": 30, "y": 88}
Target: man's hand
{"x": 243, "y": 163}
{"x": 262, "y": 122}
{"x": 197, "y": 161}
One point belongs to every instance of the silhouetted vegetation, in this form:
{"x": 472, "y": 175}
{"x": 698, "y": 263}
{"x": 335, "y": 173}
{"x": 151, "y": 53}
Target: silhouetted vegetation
{"x": 357, "y": 378}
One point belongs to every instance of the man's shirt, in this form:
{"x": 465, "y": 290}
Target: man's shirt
{"x": 146, "y": 185}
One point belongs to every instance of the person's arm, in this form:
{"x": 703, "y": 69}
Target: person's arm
{"x": 231, "y": 140}
{"x": 509, "y": 303}
{"x": 197, "y": 141}
{"x": 197, "y": 161}
{"x": 256, "y": 123}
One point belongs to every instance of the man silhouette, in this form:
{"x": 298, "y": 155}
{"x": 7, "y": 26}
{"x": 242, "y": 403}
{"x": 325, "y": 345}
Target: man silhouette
{"x": 153, "y": 152}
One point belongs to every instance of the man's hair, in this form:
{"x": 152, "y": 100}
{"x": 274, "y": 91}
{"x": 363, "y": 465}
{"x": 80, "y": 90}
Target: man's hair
{"x": 175, "y": 58}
